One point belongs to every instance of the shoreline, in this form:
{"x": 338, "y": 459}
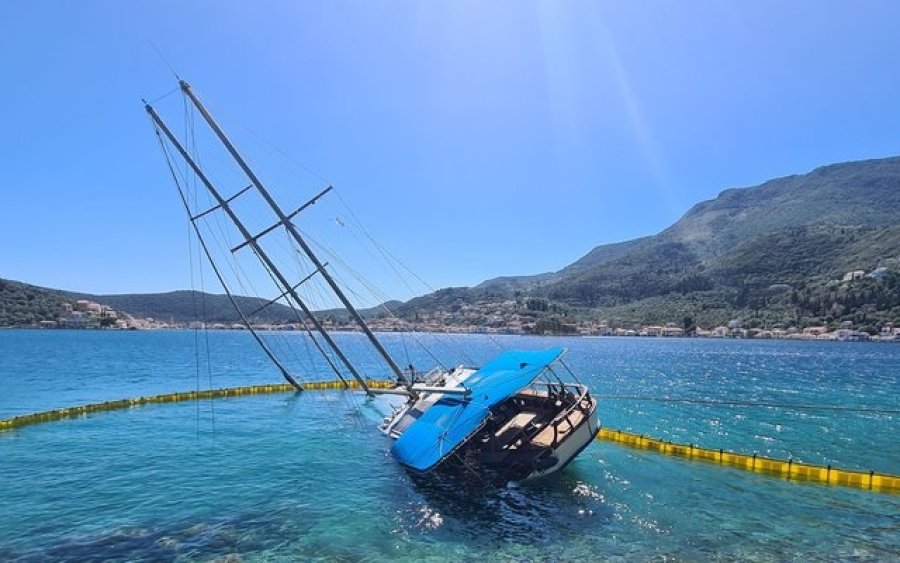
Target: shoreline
{"x": 797, "y": 337}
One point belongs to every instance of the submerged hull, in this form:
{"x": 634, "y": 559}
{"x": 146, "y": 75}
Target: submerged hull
{"x": 527, "y": 434}
{"x": 496, "y": 417}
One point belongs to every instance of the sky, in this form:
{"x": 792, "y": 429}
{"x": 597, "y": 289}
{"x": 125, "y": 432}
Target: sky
{"x": 472, "y": 139}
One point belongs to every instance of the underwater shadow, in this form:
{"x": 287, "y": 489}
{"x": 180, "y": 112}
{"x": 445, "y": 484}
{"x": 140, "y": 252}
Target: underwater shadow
{"x": 463, "y": 506}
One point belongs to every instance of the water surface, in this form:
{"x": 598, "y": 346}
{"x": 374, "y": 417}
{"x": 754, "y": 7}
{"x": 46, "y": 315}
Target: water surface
{"x": 308, "y": 476}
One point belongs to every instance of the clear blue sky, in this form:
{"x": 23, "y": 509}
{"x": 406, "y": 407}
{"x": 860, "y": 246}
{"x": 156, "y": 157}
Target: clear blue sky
{"x": 474, "y": 139}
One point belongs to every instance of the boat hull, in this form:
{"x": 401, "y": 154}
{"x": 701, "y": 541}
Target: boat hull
{"x": 496, "y": 421}
{"x": 572, "y": 446}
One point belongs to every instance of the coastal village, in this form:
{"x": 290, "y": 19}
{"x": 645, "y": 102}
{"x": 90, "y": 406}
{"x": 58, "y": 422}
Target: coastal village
{"x": 504, "y": 317}
{"x": 85, "y": 314}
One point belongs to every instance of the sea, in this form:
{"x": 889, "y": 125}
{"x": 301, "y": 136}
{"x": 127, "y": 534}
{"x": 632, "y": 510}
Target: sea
{"x": 308, "y": 476}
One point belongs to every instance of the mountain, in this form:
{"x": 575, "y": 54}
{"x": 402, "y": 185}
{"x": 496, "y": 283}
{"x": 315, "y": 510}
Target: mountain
{"x": 688, "y": 256}
{"x": 722, "y": 256}
{"x": 769, "y": 254}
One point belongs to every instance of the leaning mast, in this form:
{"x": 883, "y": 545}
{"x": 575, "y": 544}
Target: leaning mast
{"x": 285, "y": 220}
{"x": 224, "y": 204}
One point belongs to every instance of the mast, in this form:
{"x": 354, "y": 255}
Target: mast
{"x": 288, "y": 224}
{"x": 263, "y": 256}
{"x": 284, "y": 372}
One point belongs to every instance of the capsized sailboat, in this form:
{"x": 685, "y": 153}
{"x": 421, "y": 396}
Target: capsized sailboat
{"x": 520, "y": 416}
{"x": 505, "y": 418}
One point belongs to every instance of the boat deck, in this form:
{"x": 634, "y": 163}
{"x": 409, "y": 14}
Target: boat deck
{"x": 554, "y": 433}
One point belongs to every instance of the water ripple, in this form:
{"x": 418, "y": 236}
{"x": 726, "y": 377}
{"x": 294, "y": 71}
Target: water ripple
{"x": 288, "y": 477}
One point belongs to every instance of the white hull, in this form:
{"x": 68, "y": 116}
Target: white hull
{"x": 394, "y": 424}
{"x": 572, "y": 446}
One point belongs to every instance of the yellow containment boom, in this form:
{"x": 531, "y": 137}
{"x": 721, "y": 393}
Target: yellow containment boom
{"x": 788, "y": 469}
{"x": 74, "y": 412}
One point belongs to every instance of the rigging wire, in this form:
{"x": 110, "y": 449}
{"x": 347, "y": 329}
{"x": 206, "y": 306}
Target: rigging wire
{"x": 196, "y": 347}
{"x": 190, "y": 241}
{"x": 203, "y": 304}
{"x": 191, "y": 186}
{"x": 294, "y": 252}
{"x": 386, "y": 255}
{"x": 378, "y": 294}
{"x": 164, "y": 60}
{"x": 714, "y": 402}
{"x": 163, "y": 96}
{"x": 241, "y": 277}
{"x": 271, "y": 276}
{"x": 389, "y": 258}
{"x": 189, "y": 132}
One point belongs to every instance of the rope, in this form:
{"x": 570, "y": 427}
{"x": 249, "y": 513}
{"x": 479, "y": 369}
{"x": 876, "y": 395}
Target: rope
{"x": 747, "y": 404}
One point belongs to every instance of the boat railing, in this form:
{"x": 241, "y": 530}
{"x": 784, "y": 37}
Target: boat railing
{"x": 434, "y": 376}
{"x": 580, "y": 393}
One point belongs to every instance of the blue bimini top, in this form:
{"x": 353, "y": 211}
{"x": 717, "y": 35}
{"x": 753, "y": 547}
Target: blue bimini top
{"x": 453, "y": 418}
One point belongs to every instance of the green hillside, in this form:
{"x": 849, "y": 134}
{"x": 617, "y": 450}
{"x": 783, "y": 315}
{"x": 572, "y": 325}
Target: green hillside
{"x": 185, "y": 306}
{"x": 766, "y": 255}
{"x": 23, "y": 304}
{"x": 718, "y": 261}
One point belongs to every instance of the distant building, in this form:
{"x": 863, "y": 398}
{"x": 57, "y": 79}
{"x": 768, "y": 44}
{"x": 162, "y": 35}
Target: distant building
{"x": 672, "y": 331}
{"x": 80, "y": 320}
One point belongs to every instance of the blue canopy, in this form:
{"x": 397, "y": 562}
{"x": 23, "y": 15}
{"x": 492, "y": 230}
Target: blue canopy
{"x": 453, "y": 418}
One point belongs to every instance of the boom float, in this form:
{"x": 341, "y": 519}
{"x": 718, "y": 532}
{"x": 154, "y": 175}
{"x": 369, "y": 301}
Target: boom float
{"x": 789, "y": 469}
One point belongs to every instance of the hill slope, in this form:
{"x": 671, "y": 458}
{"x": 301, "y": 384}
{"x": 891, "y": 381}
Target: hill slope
{"x": 188, "y": 305}
{"x": 723, "y": 254}
{"x": 688, "y": 255}
{"x": 718, "y": 262}
{"x": 24, "y": 304}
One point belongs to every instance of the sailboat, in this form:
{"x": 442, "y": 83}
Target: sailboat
{"x": 521, "y": 416}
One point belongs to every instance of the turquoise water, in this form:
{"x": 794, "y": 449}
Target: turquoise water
{"x": 284, "y": 477}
